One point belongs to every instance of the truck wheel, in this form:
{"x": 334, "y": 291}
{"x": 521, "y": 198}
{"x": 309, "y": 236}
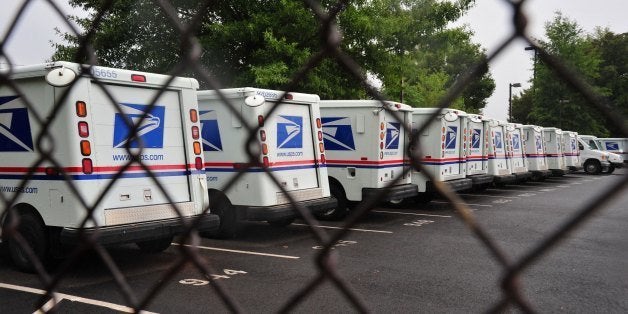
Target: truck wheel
{"x": 281, "y": 222}
{"x": 592, "y": 167}
{"x": 610, "y": 169}
{"x": 341, "y": 209}
{"x": 220, "y": 205}
{"x": 424, "y": 197}
{"x": 32, "y": 229}
{"x": 155, "y": 246}
{"x": 398, "y": 203}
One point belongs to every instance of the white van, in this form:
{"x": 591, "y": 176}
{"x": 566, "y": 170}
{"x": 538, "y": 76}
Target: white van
{"x": 498, "y": 164}
{"x": 553, "y": 141}
{"x": 151, "y": 185}
{"x": 615, "y": 145}
{"x": 476, "y": 154}
{"x": 366, "y": 146}
{"x": 571, "y": 151}
{"x": 442, "y": 150}
{"x": 291, "y": 143}
{"x": 515, "y": 150}
{"x": 535, "y": 152}
{"x": 594, "y": 158}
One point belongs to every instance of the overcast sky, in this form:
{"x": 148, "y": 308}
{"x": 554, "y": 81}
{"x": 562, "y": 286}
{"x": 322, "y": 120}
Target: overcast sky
{"x": 489, "y": 19}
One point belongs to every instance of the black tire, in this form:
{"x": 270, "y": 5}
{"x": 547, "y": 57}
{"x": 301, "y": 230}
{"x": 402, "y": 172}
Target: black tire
{"x": 592, "y": 167}
{"x": 281, "y": 222}
{"x": 398, "y": 203}
{"x": 610, "y": 169}
{"x": 220, "y": 205}
{"x": 155, "y": 246}
{"x": 424, "y": 197}
{"x": 340, "y": 211}
{"x": 32, "y": 229}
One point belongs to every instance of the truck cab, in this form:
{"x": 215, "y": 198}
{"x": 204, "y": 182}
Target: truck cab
{"x": 594, "y": 160}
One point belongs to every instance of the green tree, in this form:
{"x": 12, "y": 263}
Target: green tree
{"x": 264, "y": 43}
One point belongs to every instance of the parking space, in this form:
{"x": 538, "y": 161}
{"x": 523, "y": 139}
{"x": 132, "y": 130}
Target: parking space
{"x": 415, "y": 258}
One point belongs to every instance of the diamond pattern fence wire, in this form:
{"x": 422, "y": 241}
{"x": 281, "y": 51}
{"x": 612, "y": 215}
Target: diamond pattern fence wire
{"x": 327, "y": 271}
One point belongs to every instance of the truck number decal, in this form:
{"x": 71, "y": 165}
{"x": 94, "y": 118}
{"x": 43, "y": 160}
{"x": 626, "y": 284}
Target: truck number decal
{"x": 104, "y": 73}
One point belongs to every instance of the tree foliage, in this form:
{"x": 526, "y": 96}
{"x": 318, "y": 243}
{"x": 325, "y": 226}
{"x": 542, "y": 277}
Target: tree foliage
{"x": 597, "y": 58}
{"x": 263, "y": 43}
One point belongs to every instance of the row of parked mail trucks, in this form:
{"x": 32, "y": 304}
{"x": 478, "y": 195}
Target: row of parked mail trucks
{"x": 131, "y": 157}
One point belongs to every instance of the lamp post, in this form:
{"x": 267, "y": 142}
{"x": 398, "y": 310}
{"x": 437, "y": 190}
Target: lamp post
{"x": 510, "y": 86}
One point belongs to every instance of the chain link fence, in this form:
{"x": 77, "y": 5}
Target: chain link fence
{"x": 327, "y": 271}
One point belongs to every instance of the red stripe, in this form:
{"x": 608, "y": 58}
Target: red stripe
{"x": 443, "y": 159}
{"x": 366, "y": 162}
{"x": 277, "y": 164}
{"x": 96, "y": 169}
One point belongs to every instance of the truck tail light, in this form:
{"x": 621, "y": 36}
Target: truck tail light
{"x": 288, "y": 96}
{"x": 318, "y": 123}
{"x": 323, "y": 160}
{"x": 81, "y": 109}
{"x": 83, "y": 129}
{"x": 138, "y": 78}
{"x": 260, "y": 120}
{"x": 198, "y": 163}
{"x": 193, "y": 115}
{"x": 197, "y": 148}
{"x": 264, "y": 149}
{"x": 195, "y": 132}
{"x": 320, "y": 135}
{"x": 266, "y": 162}
{"x": 86, "y": 148}
{"x": 262, "y": 135}
{"x": 321, "y": 147}
{"x": 87, "y": 166}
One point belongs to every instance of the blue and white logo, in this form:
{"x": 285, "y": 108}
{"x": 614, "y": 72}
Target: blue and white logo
{"x": 15, "y": 129}
{"x": 150, "y": 132}
{"x": 612, "y": 146}
{"x": 451, "y": 137}
{"x": 392, "y": 135}
{"x": 337, "y": 133}
{"x": 516, "y": 142}
{"x": 539, "y": 144}
{"x": 498, "y": 140}
{"x": 210, "y": 133}
{"x": 289, "y": 132}
{"x": 573, "y": 144}
{"x": 476, "y": 136}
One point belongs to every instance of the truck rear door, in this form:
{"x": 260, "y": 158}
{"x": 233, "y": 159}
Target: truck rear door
{"x": 160, "y": 134}
{"x": 451, "y": 142}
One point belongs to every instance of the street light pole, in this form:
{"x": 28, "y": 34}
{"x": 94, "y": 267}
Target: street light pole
{"x": 510, "y": 86}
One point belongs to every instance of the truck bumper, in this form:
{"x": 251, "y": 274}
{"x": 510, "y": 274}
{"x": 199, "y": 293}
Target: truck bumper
{"x": 522, "y": 176}
{"x": 478, "y": 180}
{"x": 575, "y": 168}
{"x": 396, "y": 192}
{"x": 504, "y": 179}
{"x": 460, "y": 184}
{"x": 539, "y": 175}
{"x": 617, "y": 164}
{"x": 558, "y": 172}
{"x": 283, "y": 211}
{"x": 137, "y": 232}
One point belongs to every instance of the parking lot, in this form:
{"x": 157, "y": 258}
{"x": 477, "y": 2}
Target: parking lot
{"x": 420, "y": 259}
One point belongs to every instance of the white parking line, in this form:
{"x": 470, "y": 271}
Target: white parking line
{"x": 58, "y": 297}
{"x": 468, "y": 204}
{"x": 352, "y": 229}
{"x": 513, "y": 190}
{"x": 406, "y": 213}
{"x": 238, "y": 251}
{"x": 485, "y": 195}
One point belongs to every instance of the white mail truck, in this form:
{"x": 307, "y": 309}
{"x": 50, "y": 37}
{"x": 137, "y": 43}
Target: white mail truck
{"x": 515, "y": 148}
{"x": 366, "y": 146}
{"x": 289, "y": 140}
{"x": 535, "y": 152}
{"x": 615, "y": 145}
{"x": 476, "y": 145}
{"x": 571, "y": 150}
{"x": 442, "y": 150}
{"x": 125, "y": 158}
{"x": 553, "y": 141}
{"x": 594, "y": 159}
{"x": 498, "y": 164}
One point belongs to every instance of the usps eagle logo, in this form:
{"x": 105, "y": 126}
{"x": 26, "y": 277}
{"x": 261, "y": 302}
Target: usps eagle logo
{"x": 337, "y": 133}
{"x": 539, "y": 144}
{"x": 451, "y": 136}
{"x": 150, "y": 132}
{"x": 573, "y": 144}
{"x": 393, "y": 130}
{"x": 210, "y": 131}
{"x": 516, "y": 142}
{"x": 476, "y": 136}
{"x": 498, "y": 140}
{"x": 612, "y": 146}
{"x": 289, "y": 132}
{"x": 15, "y": 129}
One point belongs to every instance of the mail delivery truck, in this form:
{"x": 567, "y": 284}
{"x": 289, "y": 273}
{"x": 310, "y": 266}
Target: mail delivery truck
{"x": 498, "y": 164}
{"x": 571, "y": 150}
{"x": 476, "y": 151}
{"x": 535, "y": 152}
{"x": 553, "y": 140}
{"x": 284, "y": 133}
{"x": 102, "y": 152}
{"x": 366, "y": 147}
{"x": 515, "y": 152}
{"x": 594, "y": 159}
{"x": 615, "y": 145}
{"x": 442, "y": 154}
